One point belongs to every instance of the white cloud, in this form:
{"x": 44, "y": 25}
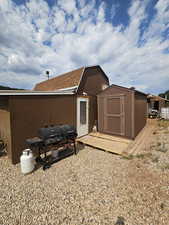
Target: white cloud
{"x": 82, "y": 3}
{"x": 36, "y": 37}
{"x": 114, "y": 9}
{"x": 69, "y": 6}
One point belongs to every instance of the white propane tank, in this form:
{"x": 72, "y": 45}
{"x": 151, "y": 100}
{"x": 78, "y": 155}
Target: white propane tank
{"x": 27, "y": 161}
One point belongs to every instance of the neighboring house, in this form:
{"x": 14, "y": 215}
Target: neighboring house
{"x": 121, "y": 111}
{"x": 66, "y": 99}
{"x": 156, "y": 103}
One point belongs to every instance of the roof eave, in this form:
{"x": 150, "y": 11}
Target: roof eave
{"x": 34, "y": 93}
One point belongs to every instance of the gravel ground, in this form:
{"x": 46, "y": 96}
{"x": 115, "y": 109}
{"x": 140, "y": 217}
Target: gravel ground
{"x": 91, "y": 188}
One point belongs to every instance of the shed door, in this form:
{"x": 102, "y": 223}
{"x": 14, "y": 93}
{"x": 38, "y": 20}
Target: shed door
{"x": 114, "y": 115}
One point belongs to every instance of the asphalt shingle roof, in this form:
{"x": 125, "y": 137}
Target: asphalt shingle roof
{"x": 66, "y": 80}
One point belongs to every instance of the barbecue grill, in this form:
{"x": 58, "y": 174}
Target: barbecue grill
{"x": 53, "y": 138}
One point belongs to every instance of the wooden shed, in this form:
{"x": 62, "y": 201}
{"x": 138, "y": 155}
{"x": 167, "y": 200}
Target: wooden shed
{"x": 121, "y": 111}
{"x": 66, "y": 99}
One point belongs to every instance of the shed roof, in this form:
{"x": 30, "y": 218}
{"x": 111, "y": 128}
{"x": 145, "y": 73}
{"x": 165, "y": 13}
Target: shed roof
{"x": 125, "y": 88}
{"x": 66, "y": 80}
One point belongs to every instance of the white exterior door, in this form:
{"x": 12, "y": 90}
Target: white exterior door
{"x": 82, "y": 116}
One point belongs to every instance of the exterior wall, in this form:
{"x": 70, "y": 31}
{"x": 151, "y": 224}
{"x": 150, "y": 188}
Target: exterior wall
{"x": 140, "y": 112}
{"x": 29, "y": 113}
{"x": 128, "y": 116}
{"x": 92, "y": 83}
{"x": 5, "y": 129}
{"x": 93, "y": 118}
{"x": 161, "y": 104}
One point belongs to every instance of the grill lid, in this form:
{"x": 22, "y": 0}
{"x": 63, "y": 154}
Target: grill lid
{"x": 49, "y": 132}
{"x": 57, "y": 132}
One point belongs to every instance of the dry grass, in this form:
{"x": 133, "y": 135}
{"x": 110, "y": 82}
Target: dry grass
{"x": 165, "y": 166}
{"x": 161, "y": 148}
{"x": 143, "y": 155}
{"x": 138, "y": 156}
{"x": 128, "y": 157}
{"x": 155, "y": 159}
{"x": 164, "y": 150}
{"x": 163, "y": 123}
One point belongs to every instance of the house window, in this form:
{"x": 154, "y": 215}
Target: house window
{"x": 82, "y": 112}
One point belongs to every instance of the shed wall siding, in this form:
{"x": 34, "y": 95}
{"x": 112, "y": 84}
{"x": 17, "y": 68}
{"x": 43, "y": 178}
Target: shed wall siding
{"x": 140, "y": 112}
{"x": 29, "y": 113}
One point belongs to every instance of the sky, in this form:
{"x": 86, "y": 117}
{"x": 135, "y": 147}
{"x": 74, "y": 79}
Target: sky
{"x": 129, "y": 39}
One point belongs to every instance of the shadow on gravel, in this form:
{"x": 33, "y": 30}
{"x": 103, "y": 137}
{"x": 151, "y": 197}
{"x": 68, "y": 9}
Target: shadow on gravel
{"x": 80, "y": 146}
{"x": 120, "y": 221}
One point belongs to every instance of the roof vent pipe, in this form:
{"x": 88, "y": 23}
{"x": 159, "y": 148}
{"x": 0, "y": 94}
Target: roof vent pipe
{"x": 47, "y": 74}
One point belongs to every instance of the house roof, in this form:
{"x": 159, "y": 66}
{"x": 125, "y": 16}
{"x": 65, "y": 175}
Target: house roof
{"x": 67, "y": 80}
{"x": 157, "y": 98}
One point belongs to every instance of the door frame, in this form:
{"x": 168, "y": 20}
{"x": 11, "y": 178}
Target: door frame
{"x": 78, "y": 125}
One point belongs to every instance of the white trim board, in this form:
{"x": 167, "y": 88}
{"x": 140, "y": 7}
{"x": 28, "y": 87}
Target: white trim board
{"x": 34, "y": 93}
